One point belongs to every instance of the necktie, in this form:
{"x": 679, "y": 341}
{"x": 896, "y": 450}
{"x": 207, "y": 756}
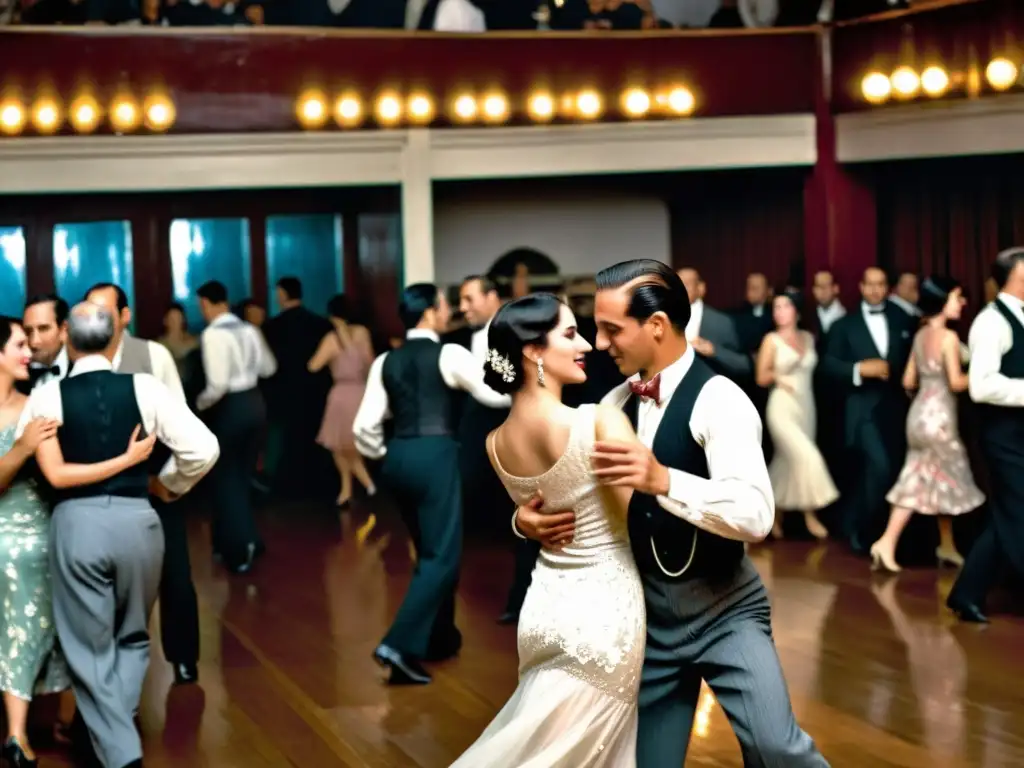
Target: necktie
{"x": 37, "y": 371}
{"x": 650, "y": 390}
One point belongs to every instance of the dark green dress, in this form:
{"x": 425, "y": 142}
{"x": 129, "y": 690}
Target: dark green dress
{"x": 30, "y": 659}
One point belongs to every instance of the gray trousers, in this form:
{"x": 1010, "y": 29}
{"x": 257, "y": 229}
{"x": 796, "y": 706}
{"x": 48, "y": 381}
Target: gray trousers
{"x": 106, "y": 553}
{"x": 719, "y": 631}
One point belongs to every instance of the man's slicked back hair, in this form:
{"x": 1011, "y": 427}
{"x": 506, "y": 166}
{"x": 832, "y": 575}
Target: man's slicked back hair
{"x": 655, "y": 288}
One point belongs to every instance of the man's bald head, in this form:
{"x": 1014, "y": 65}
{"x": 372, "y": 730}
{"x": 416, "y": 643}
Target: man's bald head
{"x": 90, "y": 328}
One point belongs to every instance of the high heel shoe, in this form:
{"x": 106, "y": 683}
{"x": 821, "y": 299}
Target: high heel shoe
{"x": 14, "y": 756}
{"x": 880, "y": 560}
{"x": 949, "y": 557}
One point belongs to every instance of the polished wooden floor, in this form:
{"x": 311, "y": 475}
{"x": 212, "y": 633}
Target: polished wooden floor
{"x": 879, "y": 674}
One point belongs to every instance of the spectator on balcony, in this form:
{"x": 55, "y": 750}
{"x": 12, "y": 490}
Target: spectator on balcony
{"x": 445, "y": 16}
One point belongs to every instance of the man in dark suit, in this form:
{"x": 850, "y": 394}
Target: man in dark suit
{"x": 866, "y": 353}
{"x": 295, "y": 396}
{"x": 905, "y": 294}
{"x": 712, "y": 334}
{"x": 754, "y": 316}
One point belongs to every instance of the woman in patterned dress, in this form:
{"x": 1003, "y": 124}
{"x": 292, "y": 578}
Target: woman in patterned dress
{"x": 30, "y": 660}
{"x": 936, "y": 477}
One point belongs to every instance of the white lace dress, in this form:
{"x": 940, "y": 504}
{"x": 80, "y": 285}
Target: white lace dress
{"x": 581, "y": 634}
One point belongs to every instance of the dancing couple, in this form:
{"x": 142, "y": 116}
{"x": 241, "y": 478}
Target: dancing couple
{"x": 643, "y": 504}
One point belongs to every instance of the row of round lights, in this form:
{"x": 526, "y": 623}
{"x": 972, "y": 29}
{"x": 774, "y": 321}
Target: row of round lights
{"x": 315, "y": 110}
{"x": 46, "y": 115}
{"x": 906, "y": 83}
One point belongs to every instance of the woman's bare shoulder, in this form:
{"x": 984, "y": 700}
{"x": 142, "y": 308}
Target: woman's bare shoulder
{"x": 612, "y": 423}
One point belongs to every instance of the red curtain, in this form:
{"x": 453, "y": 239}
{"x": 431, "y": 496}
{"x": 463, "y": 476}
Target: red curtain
{"x": 728, "y": 224}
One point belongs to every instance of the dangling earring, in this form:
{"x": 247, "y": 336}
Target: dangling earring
{"x": 540, "y": 371}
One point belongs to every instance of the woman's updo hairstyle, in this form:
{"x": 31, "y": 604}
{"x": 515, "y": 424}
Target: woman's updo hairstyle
{"x": 935, "y": 292}
{"x": 520, "y": 323}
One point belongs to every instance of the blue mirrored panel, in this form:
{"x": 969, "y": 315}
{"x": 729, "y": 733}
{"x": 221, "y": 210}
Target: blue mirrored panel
{"x": 209, "y": 249}
{"x": 12, "y": 271}
{"x": 310, "y": 248}
{"x": 90, "y": 253}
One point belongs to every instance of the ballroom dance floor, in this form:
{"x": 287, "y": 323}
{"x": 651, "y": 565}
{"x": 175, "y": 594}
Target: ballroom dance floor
{"x": 878, "y": 673}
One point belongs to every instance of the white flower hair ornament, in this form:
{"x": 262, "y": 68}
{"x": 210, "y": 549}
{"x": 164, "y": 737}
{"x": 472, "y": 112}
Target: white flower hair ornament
{"x": 501, "y": 365}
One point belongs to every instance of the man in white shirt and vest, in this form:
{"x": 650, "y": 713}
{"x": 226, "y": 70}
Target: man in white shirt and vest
{"x": 701, "y": 492}
{"x": 414, "y": 386}
{"x": 235, "y": 358}
{"x": 106, "y": 540}
{"x": 996, "y": 384}
{"x": 179, "y": 609}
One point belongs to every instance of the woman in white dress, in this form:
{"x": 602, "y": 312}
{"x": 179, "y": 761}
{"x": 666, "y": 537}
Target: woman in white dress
{"x": 583, "y": 625}
{"x": 786, "y": 362}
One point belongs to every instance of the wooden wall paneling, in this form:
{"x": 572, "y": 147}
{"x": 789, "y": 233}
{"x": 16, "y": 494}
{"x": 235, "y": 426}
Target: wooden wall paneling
{"x": 380, "y": 256}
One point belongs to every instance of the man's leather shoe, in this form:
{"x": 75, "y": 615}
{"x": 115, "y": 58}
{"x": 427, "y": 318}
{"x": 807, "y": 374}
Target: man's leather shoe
{"x": 446, "y": 648}
{"x": 967, "y": 612}
{"x": 404, "y": 670}
{"x": 185, "y": 674}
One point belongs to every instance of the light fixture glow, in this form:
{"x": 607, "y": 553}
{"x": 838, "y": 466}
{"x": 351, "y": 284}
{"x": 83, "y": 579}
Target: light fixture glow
{"x": 389, "y": 109}
{"x": 465, "y": 107}
{"x": 905, "y": 83}
{"x": 46, "y": 116}
{"x": 158, "y": 112}
{"x": 85, "y": 114}
{"x": 681, "y": 101}
{"x": 636, "y": 102}
{"x": 124, "y": 115}
{"x": 1001, "y": 74}
{"x": 876, "y": 88}
{"x": 311, "y": 109}
{"x": 495, "y": 107}
{"x": 934, "y": 81}
{"x": 588, "y": 104}
{"x": 541, "y": 106}
{"x": 12, "y": 117}
{"x": 421, "y": 108}
{"x": 348, "y": 110}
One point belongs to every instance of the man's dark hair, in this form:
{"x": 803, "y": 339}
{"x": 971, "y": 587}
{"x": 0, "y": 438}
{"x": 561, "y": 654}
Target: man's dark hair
{"x": 416, "y": 300}
{"x": 60, "y": 307}
{"x": 122, "y": 297}
{"x": 214, "y": 292}
{"x": 292, "y": 287}
{"x": 486, "y": 284}
{"x": 1003, "y": 266}
{"x": 657, "y": 289}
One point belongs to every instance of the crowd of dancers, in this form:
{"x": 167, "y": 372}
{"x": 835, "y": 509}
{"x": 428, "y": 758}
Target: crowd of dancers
{"x": 643, "y": 504}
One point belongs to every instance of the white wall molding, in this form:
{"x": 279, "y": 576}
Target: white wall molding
{"x": 678, "y": 145}
{"x": 299, "y": 159}
{"x": 993, "y": 125}
{"x": 166, "y": 163}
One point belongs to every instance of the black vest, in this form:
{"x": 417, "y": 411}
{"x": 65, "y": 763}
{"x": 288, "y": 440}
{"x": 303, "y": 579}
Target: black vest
{"x": 998, "y": 418}
{"x": 100, "y": 414}
{"x": 657, "y": 536}
{"x": 421, "y": 404}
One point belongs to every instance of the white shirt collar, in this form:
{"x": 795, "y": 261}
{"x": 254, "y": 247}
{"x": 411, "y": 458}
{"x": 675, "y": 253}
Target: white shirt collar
{"x": 1011, "y": 302}
{"x": 61, "y": 361}
{"x": 90, "y": 364}
{"x": 868, "y": 310}
{"x": 672, "y": 375}
{"x": 696, "y": 306}
{"x": 421, "y": 333}
{"x": 226, "y": 318}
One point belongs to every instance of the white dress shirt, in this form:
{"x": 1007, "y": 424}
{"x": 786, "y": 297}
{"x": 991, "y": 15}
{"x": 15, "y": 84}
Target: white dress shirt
{"x": 62, "y": 363}
{"x": 235, "y": 358}
{"x": 162, "y": 362}
{"x": 737, "y": 501}
{"x": 478, "y": 342}
{"x": 459, "y": 16}
{"x": 460, "y": 370}
{"x": 828, "y": 315}
{"x": 989, "y": 339}
{"x": 878, "y": 327}
{"x": 696, "y": 318}
{"x": 194, "y": 449}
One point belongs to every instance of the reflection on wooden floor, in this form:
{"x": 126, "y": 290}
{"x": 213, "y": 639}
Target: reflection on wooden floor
{"x": 879, "y": 674}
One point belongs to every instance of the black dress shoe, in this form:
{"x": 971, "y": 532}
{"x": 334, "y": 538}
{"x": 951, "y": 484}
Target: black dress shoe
{"x": 251, "y": 552}
{"x": 508, "y": 618}
{"x": 404, "y": 670}
{"x": 14, "y": 756}
{"x": 967, "y": 612}
{"x": 446, "y": 648}
{"x": 184, "y": 674}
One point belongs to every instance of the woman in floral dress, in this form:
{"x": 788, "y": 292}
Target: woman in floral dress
{"x": 936, "y": 478}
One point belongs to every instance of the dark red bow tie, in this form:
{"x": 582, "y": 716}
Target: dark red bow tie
{"x": 650, "y": 389}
